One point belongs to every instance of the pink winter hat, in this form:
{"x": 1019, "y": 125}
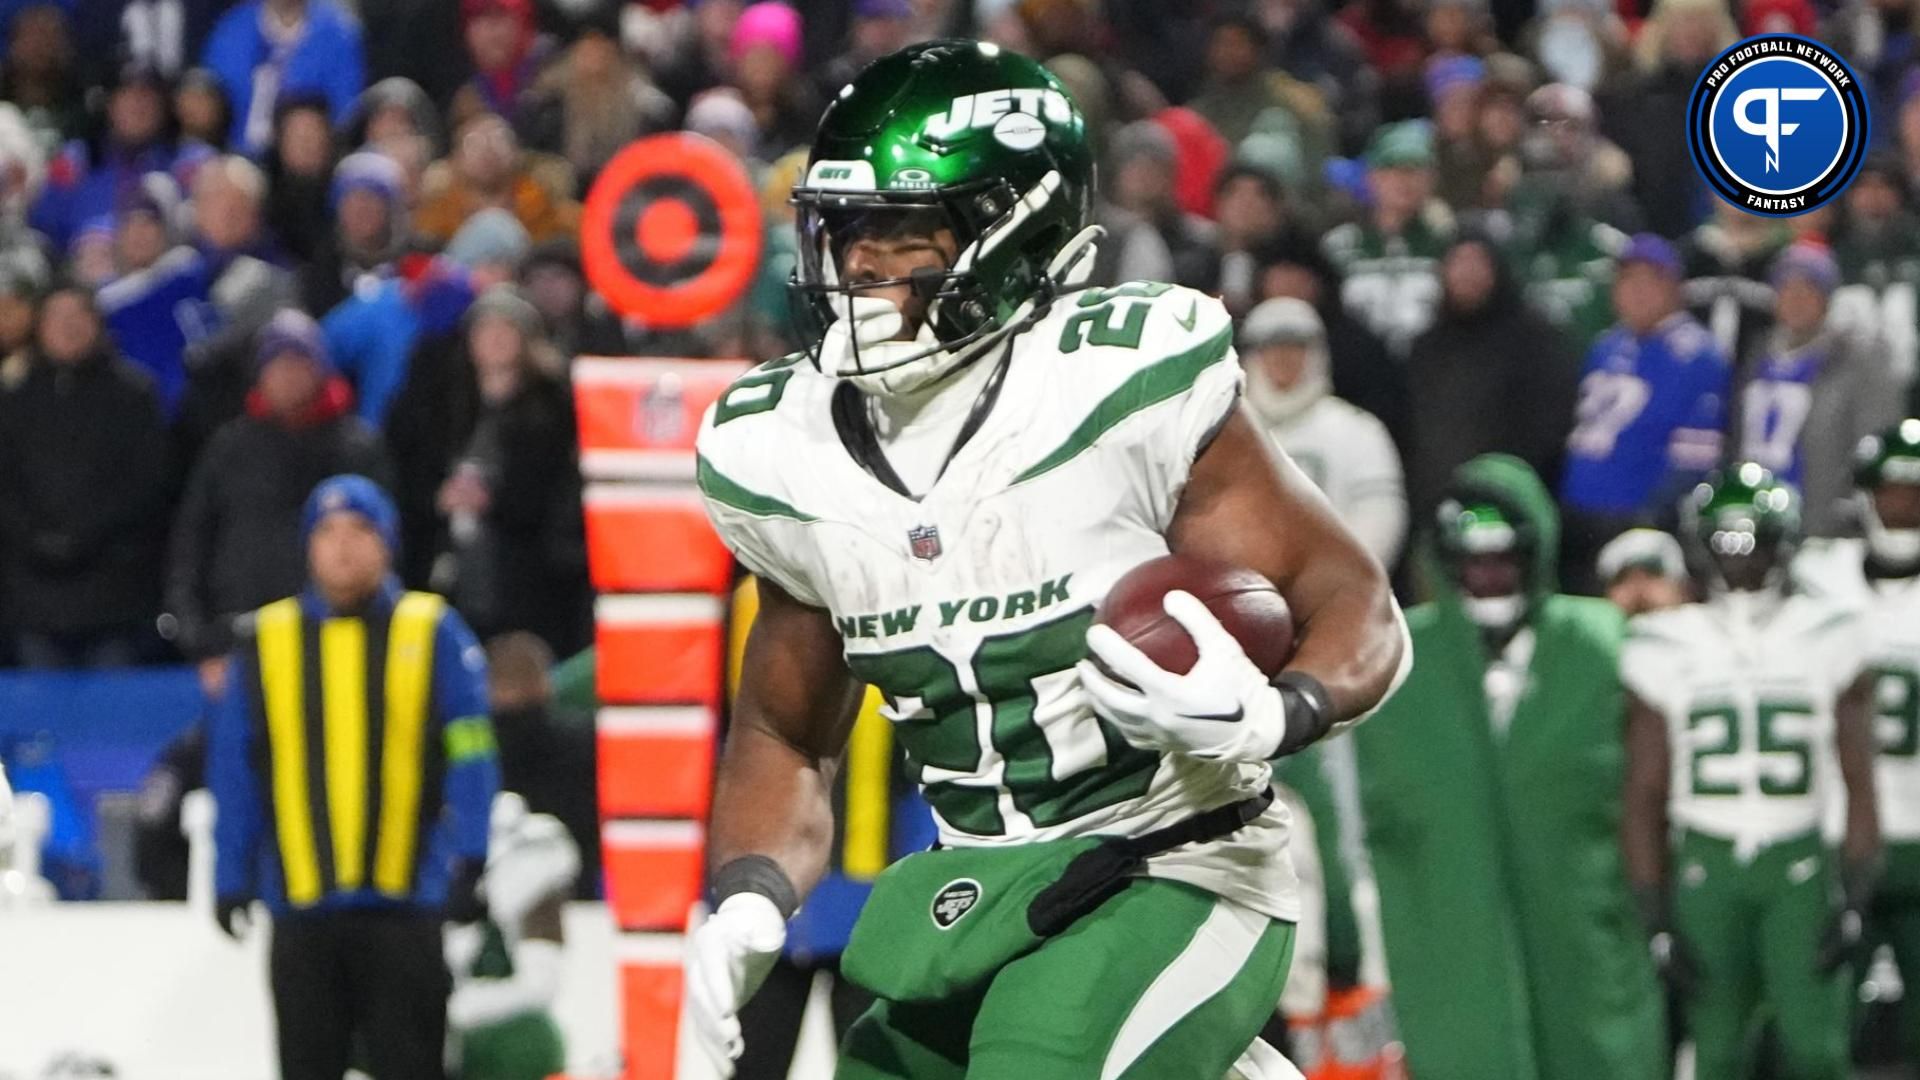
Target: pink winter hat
{"x": 772, "y": 24}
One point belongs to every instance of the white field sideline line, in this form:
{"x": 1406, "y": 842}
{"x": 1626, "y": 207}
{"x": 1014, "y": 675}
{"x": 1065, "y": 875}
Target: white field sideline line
{"x": 651, "y": 834}
{"x": 613, "y": 369}
{"x": 656, "y": 720}
{"x": 674, "y": 465}
{"x": 627, "y": 493}
{"x": 658, "y": 608}
{"x": 662, "y": 950}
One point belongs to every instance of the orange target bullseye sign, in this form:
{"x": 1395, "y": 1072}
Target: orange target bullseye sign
{"x": 671, "y": 230}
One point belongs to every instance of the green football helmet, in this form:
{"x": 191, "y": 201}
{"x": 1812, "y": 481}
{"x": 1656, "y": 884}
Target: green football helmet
{"x": 1890, "y": 460}
{"x": 959, "y": 135}
{"x": 1494, "y": 592}
{"x": 1743, "y": 526}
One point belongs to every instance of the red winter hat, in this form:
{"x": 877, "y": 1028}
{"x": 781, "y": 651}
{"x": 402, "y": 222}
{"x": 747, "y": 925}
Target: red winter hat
{"x": 1199, "y": 154}
{"x": 1778, "y": 16}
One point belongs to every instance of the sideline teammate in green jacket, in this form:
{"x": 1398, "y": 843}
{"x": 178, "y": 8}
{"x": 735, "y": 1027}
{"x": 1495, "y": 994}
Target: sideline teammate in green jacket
{"x": 1492, "y": 812}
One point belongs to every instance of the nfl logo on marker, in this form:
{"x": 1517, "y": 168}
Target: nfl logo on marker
{"x": 924, "y": 541}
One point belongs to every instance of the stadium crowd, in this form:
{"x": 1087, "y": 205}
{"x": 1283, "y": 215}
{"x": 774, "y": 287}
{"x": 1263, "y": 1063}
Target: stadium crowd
{"x": 245, "y": 246}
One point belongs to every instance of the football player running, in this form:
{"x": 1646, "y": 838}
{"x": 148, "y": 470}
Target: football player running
{"x": 1739, "y": 708}
{"x": 934, "y": 495}
{"x": 1882, "y": 574}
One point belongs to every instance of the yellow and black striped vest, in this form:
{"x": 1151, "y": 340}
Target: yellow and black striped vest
{"x": 351, "y": 759}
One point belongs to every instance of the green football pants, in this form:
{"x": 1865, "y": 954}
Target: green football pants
{"x": 1163, "y": 981}
{"x": 1896, "y": 921}
{"x": 1754, "y": 929}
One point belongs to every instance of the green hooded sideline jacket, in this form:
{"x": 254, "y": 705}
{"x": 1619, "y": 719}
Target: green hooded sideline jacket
{"x": 1511, "y": 939}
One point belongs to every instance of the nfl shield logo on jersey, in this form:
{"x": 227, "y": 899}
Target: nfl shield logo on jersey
{"x": 924, "y": 540}
{"x": 954, "y": 900}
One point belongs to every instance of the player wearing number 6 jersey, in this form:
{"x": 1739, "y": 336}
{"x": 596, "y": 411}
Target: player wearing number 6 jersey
{"x": 934, "y": 495}
{"x": 1738, "y": 708}
{"x": 1882, "y": 574}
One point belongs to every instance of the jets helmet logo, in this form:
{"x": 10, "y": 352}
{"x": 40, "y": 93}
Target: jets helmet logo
{"x": 1013, "y": 115}
{"x": 953, "y": 902}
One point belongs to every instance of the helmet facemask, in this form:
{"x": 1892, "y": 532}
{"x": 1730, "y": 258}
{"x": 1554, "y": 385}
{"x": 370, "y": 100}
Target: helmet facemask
{"x": 1488, "y": 552}
{"x": 991, "y": 288}
{"x": 1744, "y": 528}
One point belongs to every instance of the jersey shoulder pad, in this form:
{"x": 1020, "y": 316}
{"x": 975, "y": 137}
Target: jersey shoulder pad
{"x": 1832, "y": 568}
{"x": 1135, "y": 345}
{"x": 1673, "y": 627}
{"x": 753, "y": 431}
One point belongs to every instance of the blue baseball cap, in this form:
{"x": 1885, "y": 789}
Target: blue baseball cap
{"x": 1655, "y": 251}
{"x": 352, "y": 494}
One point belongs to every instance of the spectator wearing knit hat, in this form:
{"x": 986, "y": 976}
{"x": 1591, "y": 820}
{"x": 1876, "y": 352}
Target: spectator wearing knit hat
{"x": 1390, "y": 257}
{"x": 503, "y": 47}
{"x": 85, "y": 179}
{"x": 83, "y": 488}
{"x": 482, "y": 440}
{"x": 1812, "y": 390}
{"x": 764, "y": 63}
{"x": 367, "y": 200}
{"x": 1461, "y": 162}
{"x": 265, "y": 49}
{"x": 376, "y": 333}
{"x": 1152, "y": 237}
{"x": 236, "y": 536}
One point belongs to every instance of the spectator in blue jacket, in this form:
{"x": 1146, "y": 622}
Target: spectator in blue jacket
{"x": 263, "y": 49}
{"x": 363, "y": 843}
{"x": 1653, "y": 405}
{"x": 373, "y": 334}
{"x": 89, "y": 180}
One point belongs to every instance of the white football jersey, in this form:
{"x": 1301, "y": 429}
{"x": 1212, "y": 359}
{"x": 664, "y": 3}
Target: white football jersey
{"x": 1890, "y": 637}
{"x": 968, "y": 607}
{"x": 1748, "y": 701}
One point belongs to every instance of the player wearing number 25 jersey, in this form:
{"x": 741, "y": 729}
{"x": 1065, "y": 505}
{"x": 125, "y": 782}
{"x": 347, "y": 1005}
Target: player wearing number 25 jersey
{"x": 1739, "y": 709}
{"x": 1882, "y": 574}
{"x": 934, "y": 495}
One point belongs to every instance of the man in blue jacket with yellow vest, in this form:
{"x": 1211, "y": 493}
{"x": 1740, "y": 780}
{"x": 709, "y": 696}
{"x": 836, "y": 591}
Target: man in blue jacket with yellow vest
{"x": 354, "y": 768}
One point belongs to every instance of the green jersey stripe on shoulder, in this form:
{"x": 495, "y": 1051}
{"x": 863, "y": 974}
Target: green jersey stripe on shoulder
{"x": 722, "y": 489}
{"x": 1149, "y": 386}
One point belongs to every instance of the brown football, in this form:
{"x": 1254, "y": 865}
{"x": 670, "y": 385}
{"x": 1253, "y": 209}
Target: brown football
{"x": 1244, "y": 601}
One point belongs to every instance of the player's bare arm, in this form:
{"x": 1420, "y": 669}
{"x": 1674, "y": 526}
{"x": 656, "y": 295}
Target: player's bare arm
{"x": 790, "y": 723}
{"x": 1643, "y": 814}
{"x": 1854, "y": 746}
{"x": 1245, "y": 505}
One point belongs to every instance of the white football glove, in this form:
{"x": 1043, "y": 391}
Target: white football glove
{"x": 727, "y": 959}
{"x": 1222, "y": 710}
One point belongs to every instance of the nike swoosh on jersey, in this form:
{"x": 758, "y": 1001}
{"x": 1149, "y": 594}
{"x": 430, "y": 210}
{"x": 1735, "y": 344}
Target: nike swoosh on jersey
{"x": 1192, "y": 316}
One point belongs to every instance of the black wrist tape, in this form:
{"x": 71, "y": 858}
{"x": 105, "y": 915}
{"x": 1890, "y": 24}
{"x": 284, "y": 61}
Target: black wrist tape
{"x": 756, "y": 874}
{"x": 1304, "y": 698}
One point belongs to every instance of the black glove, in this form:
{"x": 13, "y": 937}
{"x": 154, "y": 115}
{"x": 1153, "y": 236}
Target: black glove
{"x": 1674, "y": 962}
{"x": 464, "y": 904}
{"x": 1673, "y": 959}
{"x": 1840, "y": 942}
{"x": 1843, "y": 940}
{"x": 234, "y": 916}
